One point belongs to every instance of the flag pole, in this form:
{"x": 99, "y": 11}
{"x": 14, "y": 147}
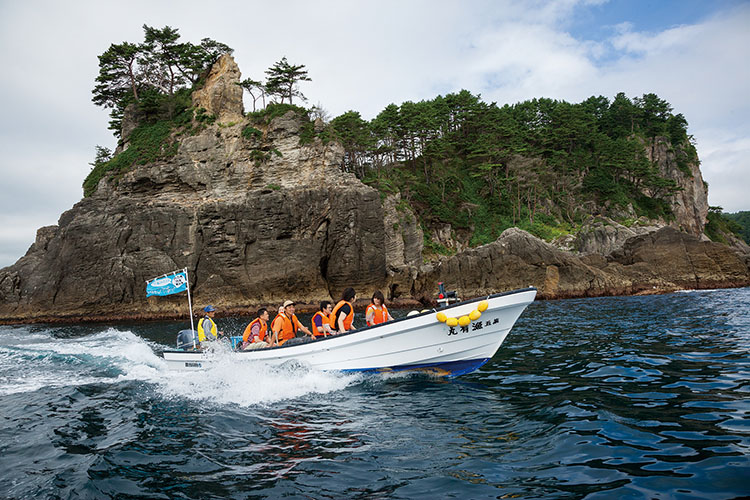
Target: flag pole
{"x": 190, "y": 306}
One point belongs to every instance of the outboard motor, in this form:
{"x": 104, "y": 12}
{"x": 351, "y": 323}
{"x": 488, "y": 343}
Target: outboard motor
{"x": 187, "y": 340}
{"x": 446, "y": 298}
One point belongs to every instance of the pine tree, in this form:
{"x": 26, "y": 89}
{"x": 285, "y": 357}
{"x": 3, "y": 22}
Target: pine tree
{"x": 283, "y": 78}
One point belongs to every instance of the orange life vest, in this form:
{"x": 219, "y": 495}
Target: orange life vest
{"x": 324, "y": 320}
{"x": 289, "y": 327}
{"x": 347, "y": 320}
{"x": 261, "y": 333}
{"x": 378, "y": 315}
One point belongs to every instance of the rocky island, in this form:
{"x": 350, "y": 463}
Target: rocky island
{"x": 257, "y": 208}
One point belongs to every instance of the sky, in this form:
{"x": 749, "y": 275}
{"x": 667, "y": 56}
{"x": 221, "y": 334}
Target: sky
{"x": 363, "y": 56}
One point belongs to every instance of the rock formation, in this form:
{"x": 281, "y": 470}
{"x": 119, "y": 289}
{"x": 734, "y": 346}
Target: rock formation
{"x": 602, "y": 235}
{"x": 403, "y": 246}
{"x": 257, "y": 216}
{"x": 661, "y": 260}
{"x": 255, "y": 220}
{"x": 221, "y": 95}
{"x": 690, "y": 203}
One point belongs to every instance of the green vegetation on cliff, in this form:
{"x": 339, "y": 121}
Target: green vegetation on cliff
{"x": 142, "y": 74}
{"x": 156, "y": 118}
{"x": 739, "y": 223}
{"x": 542, "y": 165}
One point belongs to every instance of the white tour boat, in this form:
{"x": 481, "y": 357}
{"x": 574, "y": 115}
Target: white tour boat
{"x": 449, "y": 341}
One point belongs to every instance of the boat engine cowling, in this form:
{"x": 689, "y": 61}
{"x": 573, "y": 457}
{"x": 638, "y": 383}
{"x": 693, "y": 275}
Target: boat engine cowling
{"x": 187, "y": 339}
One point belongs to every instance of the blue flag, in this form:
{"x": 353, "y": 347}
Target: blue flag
{"x": 167, "y": 285}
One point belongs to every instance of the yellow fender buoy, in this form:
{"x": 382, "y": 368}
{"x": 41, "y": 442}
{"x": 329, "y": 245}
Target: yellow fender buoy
{"x": 474, "y": 315}
{"x": 464, "y": 321}
{"x": 451, "y": 322}
{"x": 482, "y": 306}
{"x": 441, "y": 317}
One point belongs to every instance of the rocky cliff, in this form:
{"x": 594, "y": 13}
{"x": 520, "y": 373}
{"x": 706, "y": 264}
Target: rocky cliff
{"x": 258, "y": 215}
{"x": 690, "y": 203}
{"x": 255, "y": 219}
{"x": 657, "y": 261}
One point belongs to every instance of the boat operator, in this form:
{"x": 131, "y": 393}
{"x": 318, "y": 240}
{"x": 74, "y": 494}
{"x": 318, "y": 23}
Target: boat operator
{"x": 343, "y": 314}
{"x": 286, "y": 325}
{"x": 207, "y": 329}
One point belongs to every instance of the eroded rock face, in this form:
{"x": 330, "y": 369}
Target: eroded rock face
{"x": 679, "y": 259}
{"x": 690, "y": 203}
{"x": 254, "y": 220}
{"x": 601, "y": 235}
{"x": 403, "y": 246}
{"x": 310, "y": 235}
{"x": 221, "y": 95}
{"x": 661, "y": 260}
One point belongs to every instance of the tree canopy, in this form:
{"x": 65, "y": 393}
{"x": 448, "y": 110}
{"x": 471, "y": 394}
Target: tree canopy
{"x": 283, "y": 79}
{"x": 158, "y": 67}
{"x": 458, "y": 159}
{"x": 738, "y": 223}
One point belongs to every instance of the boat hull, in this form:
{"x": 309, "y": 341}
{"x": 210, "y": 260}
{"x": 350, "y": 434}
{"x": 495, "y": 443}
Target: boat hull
{"x": 419, "y": 342}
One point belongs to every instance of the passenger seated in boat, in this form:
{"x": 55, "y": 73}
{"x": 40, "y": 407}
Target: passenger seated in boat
{"x": 321, "y": 321}
{"x": 343, "y": 314}
{"x": 254, "y": 336}
{"x": 286, "y": 325}
{"x": 275, "y": 325}
{"x": 207, "y": 329}
{"x": 377, "y": 312}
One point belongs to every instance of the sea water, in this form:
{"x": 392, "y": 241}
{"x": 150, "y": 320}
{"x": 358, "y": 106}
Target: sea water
{"x": 620, "y": 397}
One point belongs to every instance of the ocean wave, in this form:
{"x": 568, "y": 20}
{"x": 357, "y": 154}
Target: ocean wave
{"x": 33, "y": 362}
{"x": 230, "y": 380}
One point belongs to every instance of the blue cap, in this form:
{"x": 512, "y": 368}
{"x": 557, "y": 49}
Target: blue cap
{"x": 209, "y": 309}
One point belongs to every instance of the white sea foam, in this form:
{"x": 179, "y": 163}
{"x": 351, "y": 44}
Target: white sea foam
{"x": 702, "y": 290}
{"x": 112, "y": 356}
{"x": 30, "y": 362}
{"x": 230, "y": 380}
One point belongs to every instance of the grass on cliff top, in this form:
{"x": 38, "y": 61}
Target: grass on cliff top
{"x": 307, "y": 133}
{"x": 149, "y": 142}
{"x": 275, "y": 110}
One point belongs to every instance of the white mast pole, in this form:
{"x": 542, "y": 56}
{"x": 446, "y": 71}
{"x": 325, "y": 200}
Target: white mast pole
{"x": 190, "y": 306}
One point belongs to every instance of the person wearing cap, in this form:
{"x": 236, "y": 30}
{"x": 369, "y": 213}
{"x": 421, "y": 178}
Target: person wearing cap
{"x": 286, "y": 325}
{"x": 207, "y": 326}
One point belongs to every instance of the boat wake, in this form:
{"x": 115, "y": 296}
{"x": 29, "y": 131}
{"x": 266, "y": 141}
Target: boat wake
{"x": 38, "y": 360}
